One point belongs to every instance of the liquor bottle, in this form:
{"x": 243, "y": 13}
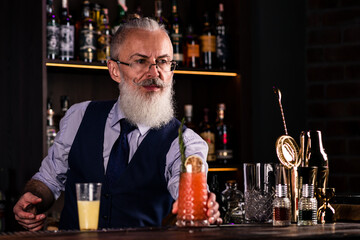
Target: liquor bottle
{"x": 214, "y": 187}
{"x": 206, "y": 131}
{"x": 188, "y": 110}
{"x": 221, "y": 44}
{"x": 307, "y": 206}
{"x": 87, "y": 35}
{"x": 176, "y": 35}
{"x": 67, "y": 33}
{"x": 208, "y": 44}
{"x": 281, "y": 206}
{"x": 121, "y": 16}
{"x": 64, "y": 104}
{"x": 104, "y": 37}
{"x": 159, "y": 14}
{"x": 192, "y": 49}
{"x": 233, "y": 200}
{"x": 316, "y": 156}
{"x": 224, "y": 153}
{"x": 52, "y": 32}
{"x": 50, "y": 126}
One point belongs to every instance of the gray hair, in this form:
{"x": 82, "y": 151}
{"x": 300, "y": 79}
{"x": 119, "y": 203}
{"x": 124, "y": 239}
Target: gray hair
{"x": 119, "y": 37}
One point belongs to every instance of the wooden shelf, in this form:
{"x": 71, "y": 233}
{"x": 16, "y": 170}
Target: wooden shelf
{"x": 99, "y": 66}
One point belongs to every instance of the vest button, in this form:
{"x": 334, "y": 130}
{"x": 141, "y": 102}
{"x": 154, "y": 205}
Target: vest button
{"x": 105, "y": 217}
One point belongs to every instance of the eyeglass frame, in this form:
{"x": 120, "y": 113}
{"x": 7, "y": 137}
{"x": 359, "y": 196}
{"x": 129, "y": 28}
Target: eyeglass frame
{"x": 172, "y": 62}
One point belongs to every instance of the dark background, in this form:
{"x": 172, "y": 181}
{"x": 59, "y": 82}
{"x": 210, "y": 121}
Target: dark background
{"x": 308, "y": 49}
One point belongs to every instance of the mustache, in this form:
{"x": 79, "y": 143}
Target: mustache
{"x": 152, "y": 82}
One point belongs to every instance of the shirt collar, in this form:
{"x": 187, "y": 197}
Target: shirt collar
{"x": 116, "y": 114}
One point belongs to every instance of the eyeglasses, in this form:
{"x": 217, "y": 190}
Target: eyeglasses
{"x": 143, "y": 65}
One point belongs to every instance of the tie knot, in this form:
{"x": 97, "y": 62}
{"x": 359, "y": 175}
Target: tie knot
{"x": 126, "y": 127}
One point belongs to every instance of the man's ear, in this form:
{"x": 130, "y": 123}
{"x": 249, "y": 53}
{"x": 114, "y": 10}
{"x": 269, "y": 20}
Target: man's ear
{"x": 114, "y": 70}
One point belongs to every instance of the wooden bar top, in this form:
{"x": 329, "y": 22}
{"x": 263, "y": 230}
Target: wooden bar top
{"x": 228, "y": 232}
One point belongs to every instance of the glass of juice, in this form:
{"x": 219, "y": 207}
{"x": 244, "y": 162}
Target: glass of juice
{"x": 88, "y": 202}
{"x": 193, "y": 194}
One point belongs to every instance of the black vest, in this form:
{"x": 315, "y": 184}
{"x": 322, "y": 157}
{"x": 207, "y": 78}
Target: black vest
{"x": 140, "y": 198}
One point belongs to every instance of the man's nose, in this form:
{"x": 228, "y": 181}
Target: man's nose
{"x": 153, "y": 70}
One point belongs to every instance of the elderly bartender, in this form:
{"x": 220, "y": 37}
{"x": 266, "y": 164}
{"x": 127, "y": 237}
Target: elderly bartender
{"x": 140, "y": 182}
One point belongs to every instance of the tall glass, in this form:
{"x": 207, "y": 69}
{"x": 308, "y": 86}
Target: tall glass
{"x": 259, "y": 189}
{"x": 193, "y": 194}
{"x": 88, "y": 202}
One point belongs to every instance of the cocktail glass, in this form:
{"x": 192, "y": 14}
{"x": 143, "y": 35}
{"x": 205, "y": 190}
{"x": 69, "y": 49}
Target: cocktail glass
{"x": 193, "y": 194}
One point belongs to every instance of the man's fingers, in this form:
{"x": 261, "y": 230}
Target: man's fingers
{"x": 175, "y": 207}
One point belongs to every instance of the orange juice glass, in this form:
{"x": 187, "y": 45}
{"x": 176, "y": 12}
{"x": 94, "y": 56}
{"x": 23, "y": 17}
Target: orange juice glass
{"x": 193, "y": 194}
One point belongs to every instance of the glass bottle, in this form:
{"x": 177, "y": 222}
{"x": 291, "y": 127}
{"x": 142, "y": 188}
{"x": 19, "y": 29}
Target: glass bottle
{"x": 214, "y": 187}
{"x": 104, "y": 37}
{"x": 224, "y": 153}
{"x": 159, "y": 14}
{"x": 208, "y": 44}
{"x": 281, "y": 206}
{"x": 307, "y": 206}
{"x": 121, "y": 16}
{"x": 316, "y": 156}
{"x": 221, "y": 44}
{"x": 192, "y": 49}
{"x": 206, "y": 131}
{"x": 188, "y": 112}
{"x": 52, "y": 32}
{"x": 67, "y": 33}
{"x": 87, "y": 35}
{"x": 50, "y": 126}
{"x": 233, "y": 200}
{"x": 176, "y": 35}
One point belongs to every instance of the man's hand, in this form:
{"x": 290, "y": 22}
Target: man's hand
{"x": 212, "y": 212}
{"x": 25, "y": 212}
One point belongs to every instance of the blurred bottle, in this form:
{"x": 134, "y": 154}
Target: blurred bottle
{"x": 104, "y": 37}
{"x": 176, "y": 34}
{"x": 52, "y": 32}
{"x": 224, "y": 152}
{"x": 208, "y": 44}
{"x": 206, "y": 131}
{"x": 214, "y": 187}
{"x": 121, "y": 16}
{"x": 67, "y": 33}
{"x": 221, "y": 44}
{"x": 233, "y": 200}
{"x": 159, "y": 14}
{"x": 87, "y": 35}
{"x": 50, "y": 126}
{"x": 188, "y": 112}
{"x": 64, "y": 105}
{"x": 192, "y": 49}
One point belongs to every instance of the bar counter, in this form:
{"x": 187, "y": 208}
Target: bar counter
{"x": 228, "y": 232}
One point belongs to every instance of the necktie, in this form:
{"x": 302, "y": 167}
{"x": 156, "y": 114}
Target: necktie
{"x": 119, "y": 155}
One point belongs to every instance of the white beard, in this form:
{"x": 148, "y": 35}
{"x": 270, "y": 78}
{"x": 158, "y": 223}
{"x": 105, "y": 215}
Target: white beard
{"x": 154, "y": 109}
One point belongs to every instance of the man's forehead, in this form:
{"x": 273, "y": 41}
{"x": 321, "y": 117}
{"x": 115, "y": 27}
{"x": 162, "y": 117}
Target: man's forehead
{"x": 146, "y": 43}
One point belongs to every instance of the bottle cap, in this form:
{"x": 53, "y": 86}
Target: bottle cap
{"x": 281, "y": 190}
{"x": 188, "y": 110}
{"x": 308, "y": 190}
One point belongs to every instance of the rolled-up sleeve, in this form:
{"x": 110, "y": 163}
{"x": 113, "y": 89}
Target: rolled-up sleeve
{"x": 54, "y": 166}
{"x": 195, "y": 145}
